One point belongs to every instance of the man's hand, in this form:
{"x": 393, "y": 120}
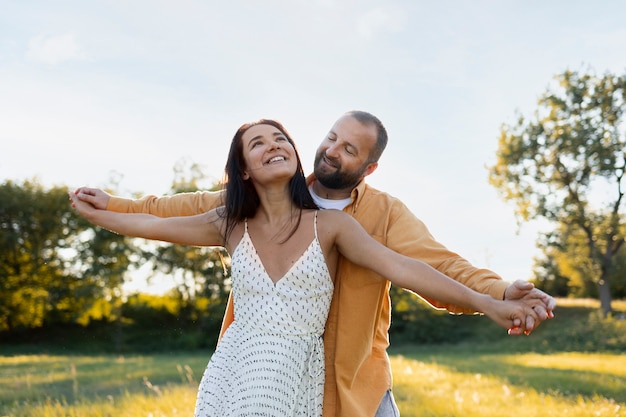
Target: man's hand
{"x": 95, "y": 196}
{"x": 541, "y": 304}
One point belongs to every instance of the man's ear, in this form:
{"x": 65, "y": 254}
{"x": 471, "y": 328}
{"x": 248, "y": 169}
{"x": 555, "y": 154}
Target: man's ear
{"x": 370, "y": 168}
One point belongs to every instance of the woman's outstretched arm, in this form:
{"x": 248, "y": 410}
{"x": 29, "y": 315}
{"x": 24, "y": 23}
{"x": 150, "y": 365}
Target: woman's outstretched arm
{"x": 355, "y": 244}
{"x": 199, "y": 230}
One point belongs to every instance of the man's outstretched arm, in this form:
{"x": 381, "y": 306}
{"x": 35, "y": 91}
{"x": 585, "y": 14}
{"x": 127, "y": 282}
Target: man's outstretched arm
{"x": 182, "y": 204}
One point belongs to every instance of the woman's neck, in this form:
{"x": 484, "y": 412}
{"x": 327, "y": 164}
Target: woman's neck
{"x": 276, "y": 206}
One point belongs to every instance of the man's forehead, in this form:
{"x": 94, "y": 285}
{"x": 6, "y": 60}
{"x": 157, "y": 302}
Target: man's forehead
{"x": 350, "y": 129}
{"x": 345, "y": 121}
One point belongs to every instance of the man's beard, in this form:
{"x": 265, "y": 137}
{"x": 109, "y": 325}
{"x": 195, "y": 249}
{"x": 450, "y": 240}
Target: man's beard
{"x": 338, "y": 179}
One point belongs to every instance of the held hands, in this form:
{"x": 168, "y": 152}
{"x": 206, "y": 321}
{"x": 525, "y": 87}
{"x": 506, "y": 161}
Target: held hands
{"x": 84, "y": 208}
{"x": 509, "y": 314}
{"x": 540, "y": 305}
{"x": 95, "y": 196}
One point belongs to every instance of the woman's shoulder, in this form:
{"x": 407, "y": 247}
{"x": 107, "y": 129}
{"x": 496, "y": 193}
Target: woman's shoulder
{"x": 334, "y": 217}
{"x": 330, "y": 213}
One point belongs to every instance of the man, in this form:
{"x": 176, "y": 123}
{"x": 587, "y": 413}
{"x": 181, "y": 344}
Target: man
{"x": 358, "y": 371}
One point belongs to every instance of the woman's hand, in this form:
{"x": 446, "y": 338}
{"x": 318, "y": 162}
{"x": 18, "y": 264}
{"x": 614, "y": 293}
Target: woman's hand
{"x": 83, "y": 208}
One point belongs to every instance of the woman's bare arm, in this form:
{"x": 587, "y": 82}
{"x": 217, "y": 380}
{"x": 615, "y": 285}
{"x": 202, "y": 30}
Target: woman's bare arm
{"x": 356, "y": 245}
{"x": 199, "y": 230}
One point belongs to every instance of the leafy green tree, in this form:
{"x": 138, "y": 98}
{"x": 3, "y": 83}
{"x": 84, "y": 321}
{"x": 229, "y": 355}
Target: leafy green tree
{"x": 566, "y": 164}
{"x": 35, "y": 255}
{"x": 201, "y": 275}
{"x": 34, "y": 226}
{"x": 565, "y": 270}
{"x": 54, "y": 266}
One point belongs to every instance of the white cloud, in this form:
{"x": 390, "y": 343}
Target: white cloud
{"x": 380, "y": 20}
{"x": 54, "y": 49}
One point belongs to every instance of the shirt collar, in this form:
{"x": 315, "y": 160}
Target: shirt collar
{"x": 356, "y": 195}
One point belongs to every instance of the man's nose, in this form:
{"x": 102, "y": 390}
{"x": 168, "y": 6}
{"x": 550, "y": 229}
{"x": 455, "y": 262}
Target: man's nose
{"x": 332, "y": 152}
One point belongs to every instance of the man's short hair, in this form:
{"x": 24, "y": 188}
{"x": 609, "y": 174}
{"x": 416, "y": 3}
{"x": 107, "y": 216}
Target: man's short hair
{"x": 369, "y": 119}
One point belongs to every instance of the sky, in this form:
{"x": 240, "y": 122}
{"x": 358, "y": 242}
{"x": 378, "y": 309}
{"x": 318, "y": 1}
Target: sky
{"x": 117, "y": 93}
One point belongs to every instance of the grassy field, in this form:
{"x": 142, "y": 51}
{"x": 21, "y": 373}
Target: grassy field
{"x": 526, "y": 376}
{"x": 495, "y": 385}
{"x": 99, "y": 385}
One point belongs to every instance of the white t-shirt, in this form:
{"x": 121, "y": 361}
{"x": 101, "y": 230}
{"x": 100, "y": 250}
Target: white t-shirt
{"x": 329, "y": 204}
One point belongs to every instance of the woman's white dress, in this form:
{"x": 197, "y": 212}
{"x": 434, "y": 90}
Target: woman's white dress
{"x": 270, "y": 361}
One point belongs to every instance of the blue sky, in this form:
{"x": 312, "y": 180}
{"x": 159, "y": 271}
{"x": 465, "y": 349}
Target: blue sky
{"x": 95, "y": 90}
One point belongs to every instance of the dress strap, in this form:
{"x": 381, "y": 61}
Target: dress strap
{"x": 315, "y": 224}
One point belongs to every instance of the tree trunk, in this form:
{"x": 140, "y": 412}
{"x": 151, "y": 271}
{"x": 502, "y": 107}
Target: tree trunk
{"x": 604, "y": 290}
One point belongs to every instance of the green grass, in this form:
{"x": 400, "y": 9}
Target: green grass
{"x": 500, "y": 385}
{"x": 100, "y": 385}
{"x": 571, "y": 366}
{"x": 445, "y": 382}
{"x": 32, "y": 377}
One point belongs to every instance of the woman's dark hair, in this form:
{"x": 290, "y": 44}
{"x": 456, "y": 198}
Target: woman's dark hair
{"x": 242, "y": 200}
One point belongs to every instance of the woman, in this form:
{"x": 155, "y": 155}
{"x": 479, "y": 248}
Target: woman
{"x": 284, "y": 255}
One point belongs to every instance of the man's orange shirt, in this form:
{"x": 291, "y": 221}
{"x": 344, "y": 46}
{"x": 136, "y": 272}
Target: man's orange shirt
{"x": 358, "y": 371}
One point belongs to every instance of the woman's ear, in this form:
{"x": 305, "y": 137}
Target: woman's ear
{"x": 245, "y": 175}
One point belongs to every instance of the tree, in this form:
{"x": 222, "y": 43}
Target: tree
{"x": 201, "y": 275}
{"x": 566, "y": 165}
{"x": 54, "y": 265}
{"x": 566, "y": 270}
{"x": 30, "y": 239}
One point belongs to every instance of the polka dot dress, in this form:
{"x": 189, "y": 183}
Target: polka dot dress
{"x": 270, "y": 361}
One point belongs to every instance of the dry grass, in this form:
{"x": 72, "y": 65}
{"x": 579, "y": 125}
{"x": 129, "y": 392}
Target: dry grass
{"x": 425, "y": 388}
{"x": 550, "y": 373}
{"x": 445, "y": 383}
